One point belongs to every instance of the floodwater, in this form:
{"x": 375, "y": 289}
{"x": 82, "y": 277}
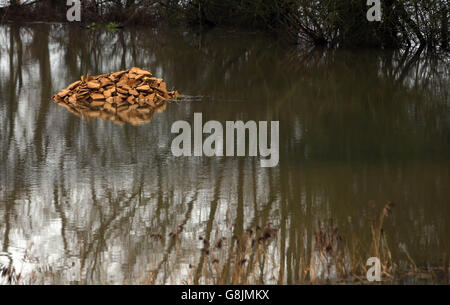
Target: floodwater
{"x": 99, "y": 203}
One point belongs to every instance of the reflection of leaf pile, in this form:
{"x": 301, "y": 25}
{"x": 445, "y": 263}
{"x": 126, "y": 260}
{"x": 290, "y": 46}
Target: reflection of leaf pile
{"x": 132, "y": 95}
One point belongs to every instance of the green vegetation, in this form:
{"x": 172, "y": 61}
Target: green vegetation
{"x": 333, "y": 22}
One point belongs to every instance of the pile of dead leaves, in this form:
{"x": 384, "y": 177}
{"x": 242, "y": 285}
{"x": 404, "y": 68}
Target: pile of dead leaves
{"x": 130, "y": 96}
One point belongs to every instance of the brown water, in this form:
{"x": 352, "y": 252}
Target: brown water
{"x": 85, "y": 202}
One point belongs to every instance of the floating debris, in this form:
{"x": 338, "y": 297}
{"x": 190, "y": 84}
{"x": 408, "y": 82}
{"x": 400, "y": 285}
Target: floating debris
{"x": 132, "y": 96}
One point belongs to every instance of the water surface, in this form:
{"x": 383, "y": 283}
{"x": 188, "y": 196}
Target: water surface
{"x": 97, "y": 202}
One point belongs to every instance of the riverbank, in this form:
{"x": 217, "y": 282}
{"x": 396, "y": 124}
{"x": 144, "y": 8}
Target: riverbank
{"x": 256, "y": 257}
{"x": 47, "y": 12}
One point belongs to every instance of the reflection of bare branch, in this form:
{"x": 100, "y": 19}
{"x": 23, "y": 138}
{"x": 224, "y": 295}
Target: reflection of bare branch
{"x": 174, "y": 239}
{"x": 209, "y": 226}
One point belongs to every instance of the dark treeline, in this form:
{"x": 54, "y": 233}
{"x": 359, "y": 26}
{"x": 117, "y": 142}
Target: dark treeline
{"x": 321, "y": 22}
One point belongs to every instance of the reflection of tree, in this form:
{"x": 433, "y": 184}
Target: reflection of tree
{"x": 14, "y": 86}
{"x": 112, "y": 189}
{"x": 394, "y": 87}
{"x": 209, "y": 225}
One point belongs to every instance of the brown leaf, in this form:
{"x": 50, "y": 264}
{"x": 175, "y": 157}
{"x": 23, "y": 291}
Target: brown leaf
{"x": 93, "y": 85}
{"x": 97, "y": 96}
{"x": 63, "y": 93}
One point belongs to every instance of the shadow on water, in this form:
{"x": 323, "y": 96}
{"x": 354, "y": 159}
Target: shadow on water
{"x": 93, "y": 202}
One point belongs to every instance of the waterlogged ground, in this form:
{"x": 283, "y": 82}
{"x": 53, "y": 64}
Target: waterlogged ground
{"x": 96, "y": 202}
